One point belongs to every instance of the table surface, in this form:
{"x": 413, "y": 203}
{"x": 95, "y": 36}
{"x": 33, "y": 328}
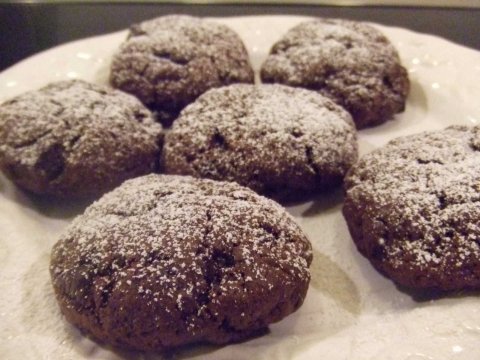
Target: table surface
{"x": 27, "y": 28}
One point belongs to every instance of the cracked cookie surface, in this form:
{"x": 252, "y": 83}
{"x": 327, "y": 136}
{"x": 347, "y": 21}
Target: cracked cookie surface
{"x": 164, "y": 261}
{"x": 280, "y": 141}
{"x": 75, "y": 139}
{"x": 169, "y": 61}
{"x": 413, "y": 209}
{"x": 351, "y": 62}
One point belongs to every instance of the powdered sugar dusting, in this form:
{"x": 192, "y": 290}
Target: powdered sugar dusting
{"x": 420, "y": 199}
{"x": 169, "y": 61}
{"x": 49, "y": 134}
{"x": 390, "y": 324}
{"x": 328, "y": 41}
{"x": 350, "y": 62}
{"x": 264, "y": 137}
{"x": 185, "y": 248}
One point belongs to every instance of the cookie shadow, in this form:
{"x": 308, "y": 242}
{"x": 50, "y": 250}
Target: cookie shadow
{"x": 89, "y": 346}
{"x": 197, "y": 351}
{"x": 312, "y": 205}
{"x": 417, "y": 97}
{"x": 47, "y": 206}
{"x": 102, "y": 74}
{"x": 426, "y": 296}
{"x": 57, "y": 208}
{"x": 325, "y": 203}
{"x": 331, "y": 280}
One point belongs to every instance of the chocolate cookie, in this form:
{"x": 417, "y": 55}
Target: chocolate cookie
{"x": 412, "y": 208}
{"x": 278, "y": 140}
{"x": 164, "y": 261}
{"x": 75, "y": 139}
{"x": 169, "y": 61}
{"x": 352, "y": 63}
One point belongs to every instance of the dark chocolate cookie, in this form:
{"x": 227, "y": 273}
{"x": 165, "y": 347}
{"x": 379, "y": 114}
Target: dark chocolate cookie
{"x": 169, "y": 61}
{"x": 164, "y": 261}
{"x": 75, "y": 139}
{"x": 413, "y": 210}
{"x": 352, "y": 63}
{"x": 278, "y": 140}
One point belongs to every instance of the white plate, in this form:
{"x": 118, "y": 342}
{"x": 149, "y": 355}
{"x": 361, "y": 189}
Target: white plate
{"x": 351, "y": 312}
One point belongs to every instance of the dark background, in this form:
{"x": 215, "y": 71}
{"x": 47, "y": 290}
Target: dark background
{"x": 28, "y": 28}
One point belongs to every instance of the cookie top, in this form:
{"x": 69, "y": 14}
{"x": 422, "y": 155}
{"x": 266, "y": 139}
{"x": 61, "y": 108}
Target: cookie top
{"x": 169, "y": 61}
{"x": 74, "y": 139}
{"x": 275, "y": 139}
{"x": 352, "y": 63}
{"x": 164, "y": 261}
{"x": 418, "y": 200}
